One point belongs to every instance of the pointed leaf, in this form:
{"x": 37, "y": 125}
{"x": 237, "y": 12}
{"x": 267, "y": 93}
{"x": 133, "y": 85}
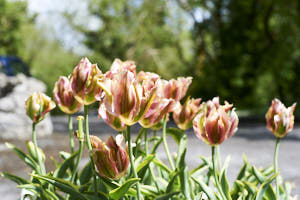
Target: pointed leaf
{"x": 119, "y": 192}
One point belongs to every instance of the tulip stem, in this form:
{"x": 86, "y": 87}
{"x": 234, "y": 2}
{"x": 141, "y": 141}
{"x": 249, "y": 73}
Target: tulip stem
{"x": 276, "y": 166}
{"x": 150, "y": 166}
{"x": 164, "y": 137}
{"x": 70, "y": 121}
{"x": 128, "y": 137}
{"x": 213, "y": 150}
{"x": 38, "y": 157}
{"x": 89, "y": 145}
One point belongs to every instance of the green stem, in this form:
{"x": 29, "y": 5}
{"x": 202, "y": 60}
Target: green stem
{"x": 128, "y": 137}
{"x": 213, "y": 150}
{"x": 276, "y": 166}
{"x": 164, "y": 137}
{"x": 150, "y": 166}
{"x": 38, "y": 156}
{"x": 70, "y": 121}
{"x": 89, "y": 146}
{"x": 80, "y": 135}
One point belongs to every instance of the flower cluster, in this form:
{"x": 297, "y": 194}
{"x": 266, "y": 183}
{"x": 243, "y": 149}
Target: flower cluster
{"x": 127, "y": 97}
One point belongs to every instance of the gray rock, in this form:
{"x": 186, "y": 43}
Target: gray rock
{"x": 14, "y": 123}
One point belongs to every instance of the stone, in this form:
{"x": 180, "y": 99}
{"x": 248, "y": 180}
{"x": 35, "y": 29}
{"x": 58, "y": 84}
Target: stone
{"x": 14, "y": 123}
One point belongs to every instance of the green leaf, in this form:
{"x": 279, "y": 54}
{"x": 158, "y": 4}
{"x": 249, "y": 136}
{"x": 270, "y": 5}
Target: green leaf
{"x": 224, "y": 181}
{"x": 181, "y": 151}
{"x": 264, "y": 186}
{"x": 26, "y": 158}
{"x": 64, "y": 155}
{"x": 63, "y": 185}
{"x": 145, "y": 162}
{"x": 176, "y": 133}
{"x": 172, "y": 180}
{"x": 161, "y": 165}
{"x": 119, "y": 192}
{"x": 167, "y": 195}
{"x": 60, "y": 172}
{"x": 259, "y": 176}
{"x": 184, "y": 182}
{"x": 16, "y": 179}
{"x": 86, "y": 173}
{"x": 209, "y": 193}
{"x": 156, "y": 145}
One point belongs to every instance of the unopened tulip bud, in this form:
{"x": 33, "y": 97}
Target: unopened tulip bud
{"x": 280, "y": 120}
{"x": 110, "y": 158}
{"x": 84, "y": 82}
{"x": 38, "y": 105}
{"x": 215, "y": 123}
{"x": 184, "y": 114}
{"x": 63, "y": 96}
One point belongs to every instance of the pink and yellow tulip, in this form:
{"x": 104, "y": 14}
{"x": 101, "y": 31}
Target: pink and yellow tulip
{"x": 110, "y": 158}
{"x": 63, "y": 96}
{"x": 215, "y": 123}
{"x": 38, "y": 105}
{"x": 84, "y": 82}
{"x": 280, "y": 120}
{"x": 185, "y": 114}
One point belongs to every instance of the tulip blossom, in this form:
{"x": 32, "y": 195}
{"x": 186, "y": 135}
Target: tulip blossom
{"x": 110, "y": 158}
{"x": 174, "y": 89}
{"x": 280, "y": 120}
{"x": 118, "y": 66}
{"x": 184, "y": 114}
{"x": 215, "y": 123}
{"x": 84, "y": 82}
{"x": 111, "y": 120}
{"x": 63, "y": 96}
{"x": 38, "y": 105}
{"x": 125, "y": 97}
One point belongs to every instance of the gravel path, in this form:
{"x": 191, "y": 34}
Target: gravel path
{"x": 254, "y": 141}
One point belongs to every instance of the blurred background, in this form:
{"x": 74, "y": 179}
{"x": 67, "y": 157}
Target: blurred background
{"x": 246, "y": 52}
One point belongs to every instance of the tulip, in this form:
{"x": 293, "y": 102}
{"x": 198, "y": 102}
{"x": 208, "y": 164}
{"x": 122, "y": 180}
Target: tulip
{"x": 215, "y": 123}
{"x": 184, "y": 115}
{"x": 280, "y": 120}
{"x": 119, "y": 66}
{"x": 84, "y": 82}
{"x": 111, "y": 120}
{"x": 125, "y": 97}
{"x": 174, "y": 89}
{"x": 38, "y": 105}
{"x": 110, "y": 158}
{"x": 63, "y": 96}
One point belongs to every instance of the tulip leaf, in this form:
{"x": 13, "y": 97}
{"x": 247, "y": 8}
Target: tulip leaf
{"x": 62, "y": 169}
{"x": 264, "y": 186}
{"x": 86, "y": 173}
{"x": 161, "y": 165}
{"x": 156, "y": 145}
{"x": 119, "y": 192}
{"x": 259, "y": 176}
{"x": 64, "y": 155}
{"x": 14, "y": 178}
{"x": 209, "y": 193}
{"x": 176, "y": 133}
{"x": 181, "y": 151}
{"x": 184, "y": 183}
{"x": 172, "y": 180}
{"x": 145, "y": 162}
{"x": 224, "y": 184}
{"x": 167, "y": 195}
{"x": 25, "y": 157}
{"x": 63, "y": 185}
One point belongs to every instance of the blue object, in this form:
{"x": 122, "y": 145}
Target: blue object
{"x": 12, "y": 65}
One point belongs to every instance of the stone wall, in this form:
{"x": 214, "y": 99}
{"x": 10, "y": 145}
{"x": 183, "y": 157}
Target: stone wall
{"x": 14, "y": 123}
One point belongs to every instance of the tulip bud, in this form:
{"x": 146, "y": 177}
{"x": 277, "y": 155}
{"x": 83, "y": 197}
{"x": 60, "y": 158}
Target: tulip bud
{"x": 38, "y": 105}
{"x": 215, "y": 123}
{"x": 63, "y": 96}
{"x": 111, "y": 120}
{"x": 84, "y": 82}
{"x": 110, "y": 158}
{"x": 280, "y": 120}
{"x": 175, "y": 89}
{"x": 184, "y": 115}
